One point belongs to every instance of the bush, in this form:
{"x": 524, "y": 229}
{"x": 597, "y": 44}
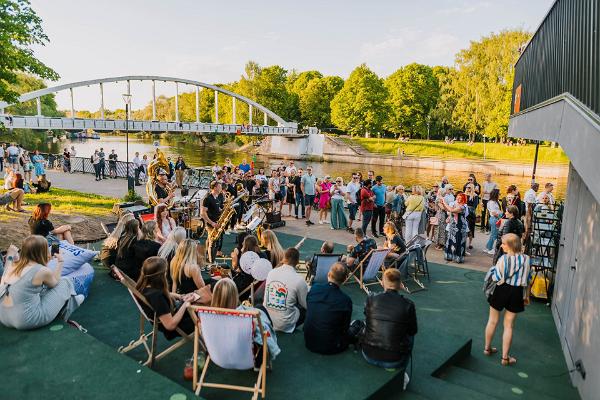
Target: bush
{"x": 132, "y": 196}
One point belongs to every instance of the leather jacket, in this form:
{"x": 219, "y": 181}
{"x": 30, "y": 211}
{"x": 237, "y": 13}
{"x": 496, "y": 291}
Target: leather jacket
{"x": 390, "y": 320}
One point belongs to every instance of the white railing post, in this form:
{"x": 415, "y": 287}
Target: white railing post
{"x": 233, "y": 111}
{"x": 153, "y": 100}
{"x": 176, "y": 102}
{"x": 197, "y": 104}
{"x": 216, "y": 107}
{"x": 101, "y": 101}
{"x": 249, "y": 114}
{"x": 38, "y": 102}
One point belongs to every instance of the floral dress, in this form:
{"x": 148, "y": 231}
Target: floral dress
{"x": 457, "y": 232}
{"x": 441, "y": 215}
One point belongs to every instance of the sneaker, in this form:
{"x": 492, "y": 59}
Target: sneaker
{"x": 375, "y": 235}
{"x": 350, "y": 230}
{"x": 490, "y": 252}
{"x": 467, "y": 253}
{"x": 326, "y": 222}
{"x": 79, "y": 299}
{"x": 320, "y": 222}
{"x": 309, "y": 223}
{"x": 332, "y": 228}
{"x": 406, "y": 380}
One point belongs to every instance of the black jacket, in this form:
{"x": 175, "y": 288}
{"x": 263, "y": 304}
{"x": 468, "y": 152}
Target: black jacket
{"x": 328, "y": 315}
{"x": 391, "y": 320}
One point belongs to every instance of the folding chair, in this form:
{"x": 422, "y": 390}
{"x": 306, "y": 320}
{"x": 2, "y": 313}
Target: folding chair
{"x": 376, "y": 259}
{"x": 415, "y": 264}
{"x": 231, "y": 351}
{"x": 142, "y": 340}
{"x": 323, "y": 263}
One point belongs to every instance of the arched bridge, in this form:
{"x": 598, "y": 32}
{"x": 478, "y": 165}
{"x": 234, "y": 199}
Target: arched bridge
{"x": 40, "y": 121}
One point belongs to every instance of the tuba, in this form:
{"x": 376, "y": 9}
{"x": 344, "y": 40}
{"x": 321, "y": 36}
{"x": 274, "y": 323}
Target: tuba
{"x": 226, "y": 215}
{"x": 160, "y": 162}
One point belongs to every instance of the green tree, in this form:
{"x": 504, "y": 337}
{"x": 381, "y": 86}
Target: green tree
{"x": 315, "y": 101}
{"x": 483, "y": 83}
{"x": 20, "y": 28}
{"x": 441, "y": 115}
{"x": 361, "y": 107}
{"x": 27, "y": 83}
{"x": 413, "y": 93}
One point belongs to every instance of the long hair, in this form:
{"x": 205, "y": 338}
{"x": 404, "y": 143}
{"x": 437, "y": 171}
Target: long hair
{"x": 154, "y": 275}
{"x": 250, "y": 244}
{"x": 158, "y": 210}
{"x": 18, "y": 181}
{"x": 225, "y": 294}
{"x": 186, "y": 254}
{"x": 495, "y": 196}
{"x": 34, "y": 249}
{"x": 128, "y": 238}
{"x": 41, "y": 211}
{"x": 148, "y": 230}
{"x": 271, "y": 243}
{"x": 112, "y": 240}
{"x": 170, "y": 245}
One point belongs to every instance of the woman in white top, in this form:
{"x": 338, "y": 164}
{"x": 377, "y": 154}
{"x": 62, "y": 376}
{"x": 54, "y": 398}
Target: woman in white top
{"x": 493, "y": 208}
{"x": 164, "y": 223}
{"x": 338, "y": 215}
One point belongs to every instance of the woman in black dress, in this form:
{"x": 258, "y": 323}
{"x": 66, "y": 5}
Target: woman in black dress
{"x": 472, "y": 203}
{"x": 512, "y": 224}
{"x": 39, "y": 224}
{"x": 186, "y": 272}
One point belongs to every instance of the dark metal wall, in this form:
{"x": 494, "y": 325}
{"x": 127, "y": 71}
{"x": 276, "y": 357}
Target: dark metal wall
{"x": 563, "y": 56}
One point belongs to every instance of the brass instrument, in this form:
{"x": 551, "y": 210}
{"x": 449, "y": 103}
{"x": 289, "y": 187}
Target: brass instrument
{"x": 222, "y": 270}
{"x": 239, "y": 187}
{"x": 155, "y": 165}
{"x": 226, "y": 214}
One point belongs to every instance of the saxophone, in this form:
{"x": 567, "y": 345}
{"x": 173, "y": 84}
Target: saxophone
{"x": 155, "y": 165}
{"x": 226, "y": 215}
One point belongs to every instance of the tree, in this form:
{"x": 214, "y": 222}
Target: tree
{"x": 413, "y": 93}
{"x": 20, "y": 28}
{"x": 360, "y": 107}
{"x": 441, "y": 115}
{"x": 483, "y": 83}
{"x": 27, "y": 83}
{"x": 315, "y": 101}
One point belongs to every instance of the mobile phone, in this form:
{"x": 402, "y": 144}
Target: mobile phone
{"x": 54, "y": 249}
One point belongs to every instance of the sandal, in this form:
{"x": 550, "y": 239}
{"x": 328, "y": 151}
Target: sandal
{"x": 508, "y": 361}
{"x": 490, "y": 351}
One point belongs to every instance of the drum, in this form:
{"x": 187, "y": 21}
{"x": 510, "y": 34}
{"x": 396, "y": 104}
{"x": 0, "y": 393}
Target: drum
{"x": 196, "y": 226}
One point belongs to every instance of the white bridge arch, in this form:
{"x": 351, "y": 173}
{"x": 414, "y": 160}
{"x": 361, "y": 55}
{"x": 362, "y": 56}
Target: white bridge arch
{"x": 40, "y": 121}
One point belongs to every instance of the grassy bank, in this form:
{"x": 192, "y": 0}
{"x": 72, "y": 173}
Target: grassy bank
{"x": 458, "y": 150}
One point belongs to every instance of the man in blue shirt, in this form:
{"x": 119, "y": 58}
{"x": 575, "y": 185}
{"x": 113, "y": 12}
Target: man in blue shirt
{"x": 244, "y": 166}
{"x": 379, "y": 211}
{"x": 307, "y": 186}
{"x": 328, "y": 314}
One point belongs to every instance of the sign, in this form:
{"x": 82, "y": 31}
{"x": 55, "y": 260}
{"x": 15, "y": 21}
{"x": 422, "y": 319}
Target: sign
{"x": 517, "y": 104}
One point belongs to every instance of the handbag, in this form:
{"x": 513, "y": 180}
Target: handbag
{"x": 489, "y": 285}
{"x": 434, "y": 221}
{"x": 407, "y": 213}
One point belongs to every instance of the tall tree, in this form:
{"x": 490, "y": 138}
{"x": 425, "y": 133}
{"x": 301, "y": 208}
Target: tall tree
{"x": 483, "y": 83}
{"x": 26, "y": 83}
{"x": 361, "y": 106}
{"x": 441, "y": 115}
{"x": 413, "y": 93}
{"x": 20, "y": 28}
{"x": 315, "y": 101}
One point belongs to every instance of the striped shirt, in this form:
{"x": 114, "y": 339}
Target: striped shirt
{"x": 512, "y": 270}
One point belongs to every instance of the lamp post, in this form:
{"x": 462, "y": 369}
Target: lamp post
{"x": 127, "y": 100}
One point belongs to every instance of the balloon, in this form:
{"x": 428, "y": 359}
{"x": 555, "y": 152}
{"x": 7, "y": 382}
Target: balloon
{"x": 261, "y": 268}
{"x": 246, "y": 261}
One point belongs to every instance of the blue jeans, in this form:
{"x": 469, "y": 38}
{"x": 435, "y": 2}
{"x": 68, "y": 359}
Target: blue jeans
{"x": 299, "y": 205}
{"x": 493, "y": 233}
{"x": 366, "y": 218}
{"x": 400, "y": 364}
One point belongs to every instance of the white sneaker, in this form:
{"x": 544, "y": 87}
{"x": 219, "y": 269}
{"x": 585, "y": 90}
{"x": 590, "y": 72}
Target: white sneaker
{"x": 490, "y": 252}
{"x": 467, "y": 253}
{"x": 406, "y": 380}
{"x": 326, "y": 222}
{"x": 320, "y": 222}
{"x": 79, "y": 299}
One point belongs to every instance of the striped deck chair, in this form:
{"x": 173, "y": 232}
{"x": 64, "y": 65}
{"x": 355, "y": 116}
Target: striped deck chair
{"x": 323, "y": 263}
{"x": 370, "y": 273}
{"x": 231, "y": 351}
{"x": 154, "y": 321}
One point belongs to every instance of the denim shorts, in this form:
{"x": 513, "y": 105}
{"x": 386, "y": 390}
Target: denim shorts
{"x": 309, "y": 199}
{"x": 352, "y": 208}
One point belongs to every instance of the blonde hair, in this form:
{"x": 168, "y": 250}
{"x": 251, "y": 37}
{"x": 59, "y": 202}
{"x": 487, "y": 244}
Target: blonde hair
{"x": 186, "y": 254}
{"x": 271, "y": 243}
{"x": 393, "y": 278}
{"x": 225, "y": 294}
{"x": 34, "y": 249}
{"x": 113, "y": 239}
{"x": 170, "y": 245}
{"x": 513, "y": 242}
{"x": 417, "y": 190}
{"x": 340, "y": 178}
{"x": 391, "y": 226}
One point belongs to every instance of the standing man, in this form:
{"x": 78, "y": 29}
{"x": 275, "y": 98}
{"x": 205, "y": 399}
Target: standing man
{"x": 548, "y": 188}
{"x": 379, "y": 210}
{"x": 307, "y": 187}
{"x": 112, "y": 164}
{"x": 13, "y": 157}
{"x": 367, "y": 203}
{"x": 486, "y": 189}
{"x": 2, "y": 154}
{"x": 296, "y": 181}
{"x": 212, "y": 207}
{"x": 102, "y": 164}
{"x": 352, "y": 191}
{"x": 73, "y": 151}
{"x": 137, "y": 165}
{"x": 244, "y": 166}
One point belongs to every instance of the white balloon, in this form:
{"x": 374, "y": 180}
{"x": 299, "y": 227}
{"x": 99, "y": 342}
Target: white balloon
{"x": 247, "y": 260}
{"x": 261, "y": 268}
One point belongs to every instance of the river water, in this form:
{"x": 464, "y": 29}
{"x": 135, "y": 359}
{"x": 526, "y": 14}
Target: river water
{"x": 197, "y": 155}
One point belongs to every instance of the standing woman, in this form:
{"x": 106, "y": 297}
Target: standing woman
{"x": 180, "y": 167}
{"x": 324, "y": 199}
{"x": 40, "y": 225}
{"x": 66, "y": 162}
{"x": 441, "y": 217}
{"x": 96, "y": 163}
{"x": 493, "y": 208}
{"x": 39, "y": 163}
{"x": 512, "y": 276}
{"x": 412, "y": 215}
{"x": 283, "y": 187}
{"x": 398, "y": 208}
{"x": 512, "y": 225}
{"x": 338, "y": 215}
{"x": 164, "y": 223}
{"x": 458, "y": 229}
{"x": 472, "y": 203}
{"x": 27, "y": 166}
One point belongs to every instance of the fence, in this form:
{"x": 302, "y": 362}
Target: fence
{"x": 193, "y": 177}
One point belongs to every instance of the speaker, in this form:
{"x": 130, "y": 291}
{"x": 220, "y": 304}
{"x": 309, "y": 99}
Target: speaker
{"x": 273, "y": 225}
{"x": 273, "y": 217}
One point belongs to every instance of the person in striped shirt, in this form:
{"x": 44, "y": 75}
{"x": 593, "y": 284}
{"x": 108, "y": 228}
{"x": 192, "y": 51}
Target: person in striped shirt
{"x": 512, "y": 276}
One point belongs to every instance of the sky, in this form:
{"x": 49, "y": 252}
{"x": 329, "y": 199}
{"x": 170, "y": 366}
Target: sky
{"x": 211, "y": 41}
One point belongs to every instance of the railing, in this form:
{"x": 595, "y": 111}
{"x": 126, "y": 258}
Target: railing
{"x": 193, "y": 177}
{"x": 563, "y": 56}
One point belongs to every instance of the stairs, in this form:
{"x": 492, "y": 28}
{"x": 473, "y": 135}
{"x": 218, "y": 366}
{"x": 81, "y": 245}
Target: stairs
{"x": 348, "y": 143}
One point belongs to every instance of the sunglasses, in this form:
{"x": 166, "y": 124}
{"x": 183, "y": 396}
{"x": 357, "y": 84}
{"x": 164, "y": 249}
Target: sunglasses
{"x": 338, "y": 181}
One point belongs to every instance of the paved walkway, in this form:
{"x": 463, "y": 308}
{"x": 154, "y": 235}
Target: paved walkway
{"x": 117, "y": 188}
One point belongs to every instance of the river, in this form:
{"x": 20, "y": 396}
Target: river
{"x": 197, "y": 155}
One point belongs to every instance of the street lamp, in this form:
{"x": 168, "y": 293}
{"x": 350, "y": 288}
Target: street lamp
{"x": 127, "y": 100}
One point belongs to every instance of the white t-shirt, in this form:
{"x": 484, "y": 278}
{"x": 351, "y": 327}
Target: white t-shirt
{"x": 487, "y": 189}
{"x": 338, "y": 194}
{"x": 352, "y": 189}
{"x": 73, "y": 152}
{"x": 530, "y": 197}
{"x": 494, "y": 208}
{"x": 550, "y": 197}
{"x": 1, "y": 152}
{"x": 284, "y": 289}
{"x": 12, "y": 151}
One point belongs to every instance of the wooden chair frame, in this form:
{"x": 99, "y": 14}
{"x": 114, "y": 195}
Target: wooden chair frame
{"x": 261, "y": 381}
{"x": 144, "y": 337}
{"x": 361, "y": 267}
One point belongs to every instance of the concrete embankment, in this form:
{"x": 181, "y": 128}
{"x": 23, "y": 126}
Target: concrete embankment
{"x": 338, "y": 151}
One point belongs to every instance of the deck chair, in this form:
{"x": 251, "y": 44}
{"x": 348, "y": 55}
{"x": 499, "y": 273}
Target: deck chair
{"x": 322, "y": 264}
{"x": 370, "y": 272}
{"x": 414, "y": 265}
{"x": 231, "y": 351}
{"x": 144, "y": 337}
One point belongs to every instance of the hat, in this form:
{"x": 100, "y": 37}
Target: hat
{"x": 161, "y": 171}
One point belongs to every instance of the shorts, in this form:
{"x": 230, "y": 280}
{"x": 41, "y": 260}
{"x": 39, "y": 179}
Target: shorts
{"x": 5, "y": 199}
{"x": 309, "y": 200}
{"x": 509, "y": 297}
{"x": 13, "y": 159}
{"x": 352, "y": 208}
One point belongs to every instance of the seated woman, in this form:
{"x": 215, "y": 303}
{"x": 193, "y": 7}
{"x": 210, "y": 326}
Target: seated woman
{"x": 167, "y": 250}
{"x": 42, "y": 185}
{"x": 124, "y": 260}
{"x": 164, "y": 223}
{"x": 146, "y": 246}
{"x": 17, "y": 182}
{"x": 226, "y": 295}
{"x": 108, "y": 254}
{"x": 243, "y": 280}
{"x": 152, "y": 283}
{"x": 9, "y": 177}
{"x": 186, "y": 272}
{"x": 31, "y": 294}
{"x": 40, "y": 225}
{"x": 13, "y": 200}
{"x": 393, "y": 241}
{"x": 237, "y": 250}
{"x": 273, "y": 249}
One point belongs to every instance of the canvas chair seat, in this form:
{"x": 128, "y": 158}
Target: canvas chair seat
{"x": 366, "y": 275}
{"x": 323, "y": 263}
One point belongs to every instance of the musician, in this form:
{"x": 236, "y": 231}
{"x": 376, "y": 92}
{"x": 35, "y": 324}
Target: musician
{"x": 164, "y": 191}
{"x": 212, "y": 207}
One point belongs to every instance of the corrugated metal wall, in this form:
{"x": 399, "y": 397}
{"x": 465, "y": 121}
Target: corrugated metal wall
{"x": 563, "y": 56}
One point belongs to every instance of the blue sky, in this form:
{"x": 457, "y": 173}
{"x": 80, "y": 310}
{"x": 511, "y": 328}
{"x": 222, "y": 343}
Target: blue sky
{"x": 211, "y": 41}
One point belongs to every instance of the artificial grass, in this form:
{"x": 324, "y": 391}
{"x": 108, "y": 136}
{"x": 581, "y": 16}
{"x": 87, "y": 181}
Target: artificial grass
{"x": 461, "y": 150}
